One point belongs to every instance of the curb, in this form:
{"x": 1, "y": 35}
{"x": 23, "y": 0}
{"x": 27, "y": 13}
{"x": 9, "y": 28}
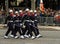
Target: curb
{"x": 44, "y": 27}
{"x": 50, "y": 27}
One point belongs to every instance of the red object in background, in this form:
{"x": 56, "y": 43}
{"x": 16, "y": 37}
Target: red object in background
{"x": 57, "y": 18}
{"x": 41, "y": 6}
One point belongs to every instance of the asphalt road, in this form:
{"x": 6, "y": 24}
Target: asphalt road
{"x": 49, "y": 37}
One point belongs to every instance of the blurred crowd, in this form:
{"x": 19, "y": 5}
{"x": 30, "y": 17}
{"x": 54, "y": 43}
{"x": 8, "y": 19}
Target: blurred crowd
{"x": 47, "y": 13}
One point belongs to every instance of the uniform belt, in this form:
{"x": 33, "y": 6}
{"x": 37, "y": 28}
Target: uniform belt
{"x": 27, "y": 20}
{"x": 17, "y": 20}
{"x": 10, "y": 21}
{"x": 31, "y": 21}
{"x": 35, "y": 20}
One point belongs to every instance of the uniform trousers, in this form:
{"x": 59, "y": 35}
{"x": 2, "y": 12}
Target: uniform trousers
{"x": 10, "y": 28}
{"x": 27, "y": 28}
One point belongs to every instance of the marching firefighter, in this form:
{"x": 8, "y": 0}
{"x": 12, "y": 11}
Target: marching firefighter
{"x": 18, "y": 25}
{"x": 32, "y": 23}
{"x": 27, "y": 24}
{"x": 10, "y": 23}
{"x": 25, "y": 29}
{"x": 31, "y": 14}
{"x": 35, "y": 23}
{"x": 21, "y": 15}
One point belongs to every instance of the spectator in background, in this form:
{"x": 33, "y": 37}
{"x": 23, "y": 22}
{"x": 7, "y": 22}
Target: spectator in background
{"x": 57, "y": 18}
{"x": 52, "y": 13}
{"x": 42, "y": 14}
{"x": 42, "y": 17}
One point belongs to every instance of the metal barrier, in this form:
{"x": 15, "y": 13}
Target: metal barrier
{"x": 2, "y": 19}
{"x": 46, "y": 21}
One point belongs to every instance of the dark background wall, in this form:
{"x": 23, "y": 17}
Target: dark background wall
{"x": 54, "y": 4}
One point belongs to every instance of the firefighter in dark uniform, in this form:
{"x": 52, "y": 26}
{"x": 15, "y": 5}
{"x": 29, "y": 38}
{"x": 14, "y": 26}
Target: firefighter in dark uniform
{"x": 27, "y": 24}
{"x": 33, "y": 26}
{"x": 18, "y": 25}
{"x": 10, "y": 23}
{"x": 31, "y": 14}
{"x": 25, "y": 29}
{"x": 35, "y": 23}
{"x": 21, "y": 15}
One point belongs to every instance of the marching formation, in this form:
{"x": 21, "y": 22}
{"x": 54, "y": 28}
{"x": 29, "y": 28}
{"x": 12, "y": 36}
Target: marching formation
{"x": 23, "y": 22}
